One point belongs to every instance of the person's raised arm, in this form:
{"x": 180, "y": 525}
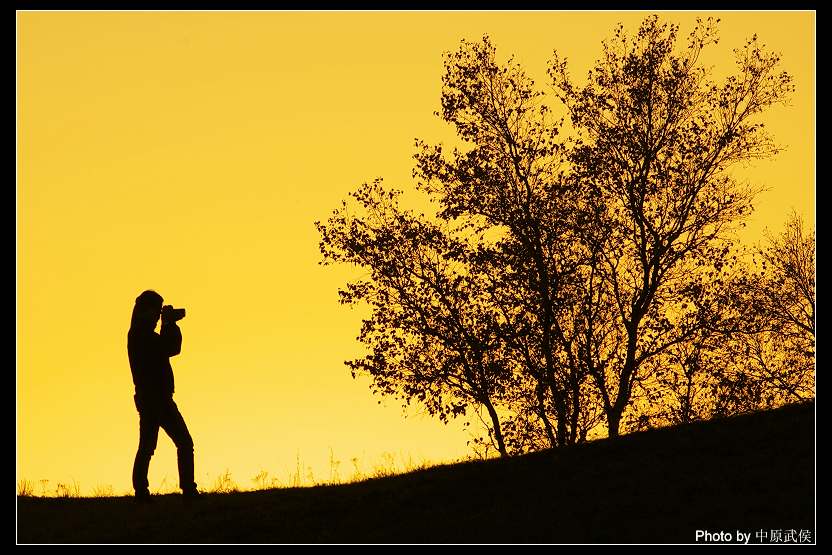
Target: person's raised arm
{"x": 171, "y": 338}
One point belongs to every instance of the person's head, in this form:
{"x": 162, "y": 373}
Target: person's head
{"x": 147, "y": 310}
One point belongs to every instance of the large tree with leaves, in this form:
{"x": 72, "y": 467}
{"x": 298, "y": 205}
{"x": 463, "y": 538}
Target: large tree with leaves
{"x": 656, "y": 139}
{"x": 555, "y": 278}
{"x": 503, "y": 241}
{"x": 508, "y": 182}
{"x": 432, "y": 334}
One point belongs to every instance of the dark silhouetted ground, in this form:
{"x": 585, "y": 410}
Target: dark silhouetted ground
{"x": 751, "y": 473}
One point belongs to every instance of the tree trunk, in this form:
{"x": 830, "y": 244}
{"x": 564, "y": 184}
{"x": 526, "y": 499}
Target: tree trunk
{"x": 563, "y": 436}
{"x": 624, "y": 381}
{"x": 613, "y": 423}
{"x": 498, "y": 434}
{"x": 576, "y": 412}
{"x": 547, "y": 425}
{"x": 560, "y": 412}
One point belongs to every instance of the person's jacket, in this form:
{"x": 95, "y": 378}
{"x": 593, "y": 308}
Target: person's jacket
{"x": 149, "y": 352}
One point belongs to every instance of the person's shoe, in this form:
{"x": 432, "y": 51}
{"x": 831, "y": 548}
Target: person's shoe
{"x": 143, "y": 499}
{"x": 190, "y": 494}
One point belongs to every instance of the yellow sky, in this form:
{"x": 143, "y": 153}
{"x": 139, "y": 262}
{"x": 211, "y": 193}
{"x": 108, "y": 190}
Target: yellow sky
{"x": 191, "y": 152}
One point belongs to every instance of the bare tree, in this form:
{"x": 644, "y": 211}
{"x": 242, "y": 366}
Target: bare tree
{"x": 777, "y": 349}
{"x": 790, "y": 284}
{"x": 757, "y": 350}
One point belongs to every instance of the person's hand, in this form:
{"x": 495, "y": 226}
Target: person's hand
{"x": 171, "y": 315}
{"x": 167, "y": 312}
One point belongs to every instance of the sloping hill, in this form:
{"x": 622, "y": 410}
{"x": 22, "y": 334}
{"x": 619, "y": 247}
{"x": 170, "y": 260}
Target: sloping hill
{"x": 750, "y": 473}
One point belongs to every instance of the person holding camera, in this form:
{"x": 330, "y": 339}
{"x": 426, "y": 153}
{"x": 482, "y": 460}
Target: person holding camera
{"x": 149, "y": 354}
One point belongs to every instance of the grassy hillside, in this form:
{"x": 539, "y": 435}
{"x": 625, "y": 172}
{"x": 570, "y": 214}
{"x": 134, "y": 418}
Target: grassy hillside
{"x": 745, "y": 473}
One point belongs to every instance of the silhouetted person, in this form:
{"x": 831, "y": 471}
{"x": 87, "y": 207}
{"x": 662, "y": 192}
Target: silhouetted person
{"x": 148, "y": 352}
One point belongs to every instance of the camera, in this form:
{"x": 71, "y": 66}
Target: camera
{"x": 171, "y": 314}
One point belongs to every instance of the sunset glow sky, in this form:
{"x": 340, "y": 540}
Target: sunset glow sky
{"x": 191, "y": 152}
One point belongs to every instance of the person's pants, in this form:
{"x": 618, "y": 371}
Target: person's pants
{"x": 152, "y": 416}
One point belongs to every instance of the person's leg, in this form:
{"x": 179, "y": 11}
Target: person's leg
{"x": 148, "y": 436}
{"x": 174, "y": 425}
